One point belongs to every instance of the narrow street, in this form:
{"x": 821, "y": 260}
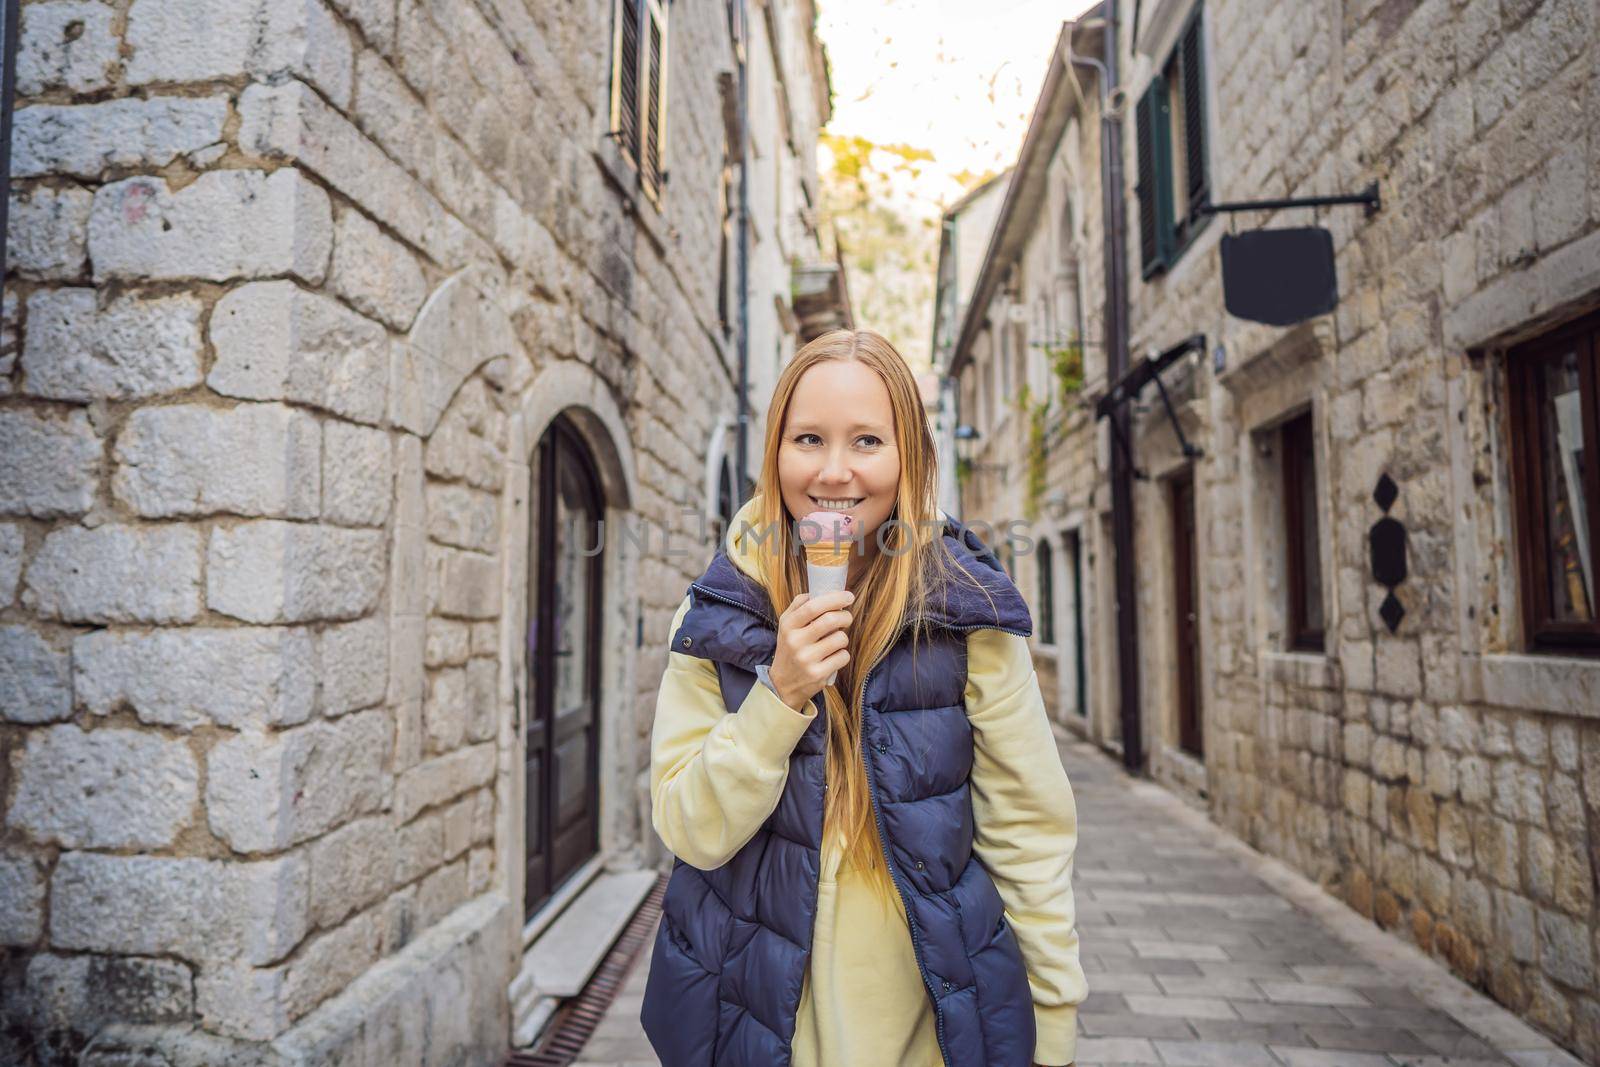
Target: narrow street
{"x": 1200, "y": 952}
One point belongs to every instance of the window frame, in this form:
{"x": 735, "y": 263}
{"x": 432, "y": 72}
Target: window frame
{"x": 1525, "y": 390}
{"x": 1297, "y": 437}
{"x": 1045, "y": 561}
{"x": 643, "y": 145}
{"x": 1163, "y": 237}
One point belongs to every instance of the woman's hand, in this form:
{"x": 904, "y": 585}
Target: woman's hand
{"x": 811, "y": 645}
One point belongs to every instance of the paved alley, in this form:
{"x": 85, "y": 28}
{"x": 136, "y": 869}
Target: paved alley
{"x": 1200, "y": 952}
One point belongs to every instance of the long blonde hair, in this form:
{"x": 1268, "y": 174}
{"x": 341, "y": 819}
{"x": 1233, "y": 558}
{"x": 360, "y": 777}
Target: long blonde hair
{"x": 892, "y": 590}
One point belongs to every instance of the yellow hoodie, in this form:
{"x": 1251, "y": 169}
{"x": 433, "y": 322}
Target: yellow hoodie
{"x": 715, "y": 777}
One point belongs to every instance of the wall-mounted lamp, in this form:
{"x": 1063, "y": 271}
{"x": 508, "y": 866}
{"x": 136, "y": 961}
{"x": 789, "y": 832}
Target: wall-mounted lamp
{"x": 967, "y": 438}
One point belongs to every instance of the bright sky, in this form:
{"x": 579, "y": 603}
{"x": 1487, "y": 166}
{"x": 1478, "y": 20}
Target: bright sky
{"x": 957, "y": 77}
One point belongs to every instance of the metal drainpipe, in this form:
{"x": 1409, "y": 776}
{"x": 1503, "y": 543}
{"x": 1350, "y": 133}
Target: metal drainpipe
{"x": 743, "y": 445}
{"x": 1121, "y": 468}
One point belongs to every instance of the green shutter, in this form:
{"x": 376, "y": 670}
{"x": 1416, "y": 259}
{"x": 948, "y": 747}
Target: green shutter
{"x": 1156, "y": 237}
{"x": 1145, "y": 186}
{"x": 1194, "y": 112}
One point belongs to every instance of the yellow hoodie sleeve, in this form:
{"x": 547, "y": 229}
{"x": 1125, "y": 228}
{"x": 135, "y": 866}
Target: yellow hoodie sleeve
{"x": 716, "y": 775}
{"x": 1026, "y": 829}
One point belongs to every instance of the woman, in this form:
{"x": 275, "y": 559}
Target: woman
{"x": 877, "y": 872}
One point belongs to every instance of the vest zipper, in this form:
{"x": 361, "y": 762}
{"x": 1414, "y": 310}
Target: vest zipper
{"x": 883, "y": 840}
{"x": 714, "y": 595}
{"x": 877, "y": 814}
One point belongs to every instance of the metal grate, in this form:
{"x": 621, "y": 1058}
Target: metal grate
{"x": 574, "y": 1021}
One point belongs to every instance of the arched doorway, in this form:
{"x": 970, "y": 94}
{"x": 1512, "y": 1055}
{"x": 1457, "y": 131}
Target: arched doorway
{"x": 561, "y": 813}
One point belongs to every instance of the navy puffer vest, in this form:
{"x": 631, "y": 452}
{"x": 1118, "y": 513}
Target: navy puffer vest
{"x": 733, "y": 945}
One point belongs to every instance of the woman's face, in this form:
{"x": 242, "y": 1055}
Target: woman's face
{"x": 838, "y": 449}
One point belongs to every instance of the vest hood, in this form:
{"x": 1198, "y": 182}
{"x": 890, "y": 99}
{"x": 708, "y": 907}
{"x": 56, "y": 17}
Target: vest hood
{"x": 735, "y": 574}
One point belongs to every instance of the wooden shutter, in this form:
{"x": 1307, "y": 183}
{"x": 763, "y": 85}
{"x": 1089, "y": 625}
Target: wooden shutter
{"x": 1194, "y": 113}
{"x": 625, "y": 77}
{"x": 654, "y": 118}
{"x": 1145, "y": 187}
{"x": 1156, "y": 236}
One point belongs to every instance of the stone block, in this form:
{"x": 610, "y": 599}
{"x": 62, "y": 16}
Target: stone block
{"x": 238, "y": 677}
{"x": 331, "y": 961}
{"x": 116, "y": 574}
{"x": 66, "y": 44}
{"x": 272, "y": 571}
{"x": 240, "y": 1001}
{"x": 456, "y": 821}
{"x": 357, "y": 475}
{"x": 52, "y": 462}
{"x": 199, "y": 40}
{"x": 11, "y": 545}
{"x": 418, "y": 848}
{"x": 120, "y": 789}
{"x": 191, "y": 460}
{"x": 486, "y": 638}
{"x": 22, "y": 887}
{"x": 376, "y": 273}
{"x": 480, "y": 870}
{"x": 374, "y": 17}
{"x": 35, "y": 683}
{"x": 290, "y": 122}
{"x": 406, "y": 653}
{"x": 85, "y": 992}
{"x": 47, "y": 233}
{"x": 1458, "y": 729}
{"x": 408, "y": 734}
{"x": 449, "y": 643}
{"x": 483, "y": 675}
{"x": 442, "y": 778}
{"x": 224, "y": 225}
{"x": 275, "y": 341}
{"x": 463, "y": 584}
{"x": 1530, "y": 740}
{"x": 354, "y": 662}
{"x": 131, "y": 349}
{"x": 194, "y": 909}
{"x": 463, "y": 517}
{"x": 265, "y": 792}
{"x": 87, "y": 140}
{"x": 444, "y": 710}
{"x": 440, "y": 893}
{"x": 1566, "y": 950}
{"x": 351, "y": 869}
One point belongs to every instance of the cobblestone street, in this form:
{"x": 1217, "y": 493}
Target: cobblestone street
{"x": 1200, "y": 952}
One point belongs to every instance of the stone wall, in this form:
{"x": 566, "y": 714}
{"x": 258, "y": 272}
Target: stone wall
{"x": 1436, "y": 778}
{"x": 294, "y": 290}
{"x": 1440, "y": 779}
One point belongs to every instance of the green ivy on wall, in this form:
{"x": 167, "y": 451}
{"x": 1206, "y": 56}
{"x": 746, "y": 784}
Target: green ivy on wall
{"x": 1066, "y": 364}
{"x": 1037, "y": 413}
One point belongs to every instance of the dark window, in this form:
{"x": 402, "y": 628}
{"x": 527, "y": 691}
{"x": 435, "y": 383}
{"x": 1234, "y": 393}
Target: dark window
{"x": 1302, "y": 548}
{"x": 1555, "y": 424}
{"x": 639, "y": 87}
{"x": 1170, "y": 129}
{"x": 1047, "y": 595}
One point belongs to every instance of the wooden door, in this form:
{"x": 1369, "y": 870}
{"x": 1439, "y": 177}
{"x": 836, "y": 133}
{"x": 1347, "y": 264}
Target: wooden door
{"x": 1186, "y": 609}
{"x": 561, "y": 814}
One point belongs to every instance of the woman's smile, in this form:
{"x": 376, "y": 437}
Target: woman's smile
{"x": 838, "y": 451}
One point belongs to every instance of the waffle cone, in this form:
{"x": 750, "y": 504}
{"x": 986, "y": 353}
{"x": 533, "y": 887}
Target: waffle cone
{"x": 828, "y": 554}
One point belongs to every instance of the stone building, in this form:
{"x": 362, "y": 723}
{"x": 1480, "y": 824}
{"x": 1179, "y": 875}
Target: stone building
{"x": 1365, "y": 610}
{"x": 332, "y": 331}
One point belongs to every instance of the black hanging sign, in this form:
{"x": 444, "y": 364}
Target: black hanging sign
{"x": 1279, "y": 277}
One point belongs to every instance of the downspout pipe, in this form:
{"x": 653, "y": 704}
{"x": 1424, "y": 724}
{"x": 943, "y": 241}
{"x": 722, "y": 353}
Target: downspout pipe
{"x": 1122, "y": 533}
{"x": 742, "y": 436}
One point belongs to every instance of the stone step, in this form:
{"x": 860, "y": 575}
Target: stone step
{"x": 566, "y": 954}
{"x": 532, "y": 1024}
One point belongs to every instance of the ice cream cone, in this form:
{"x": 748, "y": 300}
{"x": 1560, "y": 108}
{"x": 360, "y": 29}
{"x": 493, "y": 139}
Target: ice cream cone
{"x": 828, "y": 537}
{"x": 828, "y": 554}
